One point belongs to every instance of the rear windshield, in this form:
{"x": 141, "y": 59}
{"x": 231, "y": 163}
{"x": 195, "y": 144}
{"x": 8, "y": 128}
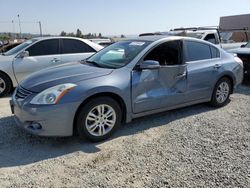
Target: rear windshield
{"x": 19, "y": 47}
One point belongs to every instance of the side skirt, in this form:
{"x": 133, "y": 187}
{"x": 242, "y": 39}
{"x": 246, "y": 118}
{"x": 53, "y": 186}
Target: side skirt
{"x": 166, "y": 109}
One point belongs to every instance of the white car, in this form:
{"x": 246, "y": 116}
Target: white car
{"x": 40, "y": 53}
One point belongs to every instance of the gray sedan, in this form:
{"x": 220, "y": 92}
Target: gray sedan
{"x": 126, "y": 80}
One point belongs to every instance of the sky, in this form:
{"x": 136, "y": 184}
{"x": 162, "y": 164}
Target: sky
{"x": 114, "y": 17}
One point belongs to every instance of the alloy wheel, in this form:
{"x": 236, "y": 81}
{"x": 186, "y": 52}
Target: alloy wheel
{"x": 100, "y": 120}
{"x": 222, "y": 92}
{"x": 2, "y": 85}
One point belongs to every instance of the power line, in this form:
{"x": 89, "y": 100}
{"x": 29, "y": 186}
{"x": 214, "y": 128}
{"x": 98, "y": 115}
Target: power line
{"x": 6, "y": 22}
{"x": 18, "y": 21}
{"x": 19, "y": 26}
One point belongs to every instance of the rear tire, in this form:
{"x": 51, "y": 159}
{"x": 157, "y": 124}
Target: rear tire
{"x": 5, "y": 85}
{"x": 98, "y": 119}
{"x": 221, "y": 93}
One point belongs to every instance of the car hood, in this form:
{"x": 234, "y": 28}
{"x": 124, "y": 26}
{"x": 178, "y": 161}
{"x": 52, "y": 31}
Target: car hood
{"x": 240, "y": 50}
{"x": 69, "y": 73}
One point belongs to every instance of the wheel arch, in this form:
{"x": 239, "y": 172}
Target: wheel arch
{"x": 231, "y": 78}
{"x": 4, "y": 73}
{"x": 112, "y": 95}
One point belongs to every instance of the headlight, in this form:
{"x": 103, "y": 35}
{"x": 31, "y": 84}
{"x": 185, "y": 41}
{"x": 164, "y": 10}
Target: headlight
{"x": 52, "y": 95}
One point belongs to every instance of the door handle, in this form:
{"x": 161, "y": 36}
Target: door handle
{"x": 217, "y": 66}
{"x": 181, "y": 75}
{"x": 55, "y": 60}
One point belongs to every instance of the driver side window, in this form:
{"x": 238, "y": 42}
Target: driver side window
{"x": 168, "y": 53}
{"x": 45, "y": 47}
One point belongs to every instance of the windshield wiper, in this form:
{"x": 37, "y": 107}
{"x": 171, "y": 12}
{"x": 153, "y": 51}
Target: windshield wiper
{"x": 90, "y": 62}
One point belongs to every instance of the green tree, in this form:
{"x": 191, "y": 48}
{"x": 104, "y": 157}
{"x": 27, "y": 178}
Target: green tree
{"x": 79, "y": 33}
{"x": 71, "y": 34}
{"x": 63, "y": 33}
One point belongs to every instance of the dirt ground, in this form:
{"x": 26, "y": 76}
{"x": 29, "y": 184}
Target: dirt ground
{"x": 197, "y": 146}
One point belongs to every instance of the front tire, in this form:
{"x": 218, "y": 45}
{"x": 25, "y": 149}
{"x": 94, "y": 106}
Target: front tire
{"x": 221, "y": 92}
{"x": 98, "y": 119}
{"x": 5, "y": 85}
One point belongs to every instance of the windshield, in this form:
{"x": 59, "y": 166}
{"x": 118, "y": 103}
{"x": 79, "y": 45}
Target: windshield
{"x": 20, "y": 47}
{"x": 247, "y": 45}
{"x": 119, "y": 54}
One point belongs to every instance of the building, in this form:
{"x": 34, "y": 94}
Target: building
{"x": 237, "y": 22}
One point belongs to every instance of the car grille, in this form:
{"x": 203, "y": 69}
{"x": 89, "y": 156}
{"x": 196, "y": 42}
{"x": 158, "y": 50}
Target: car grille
{"x": 246, "y": 60}
{"x": 22, "y": 93}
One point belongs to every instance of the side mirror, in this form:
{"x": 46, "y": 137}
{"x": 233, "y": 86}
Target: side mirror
{"x": 23, "y": 54}
{"x": 243, "y": 46}
{"x": 150, "y": 64}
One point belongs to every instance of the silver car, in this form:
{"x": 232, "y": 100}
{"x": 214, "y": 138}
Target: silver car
{"x": 39, "y": 53}
{"x": 125, "y": 80}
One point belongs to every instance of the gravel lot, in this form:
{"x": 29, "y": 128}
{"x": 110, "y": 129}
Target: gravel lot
{"x": 198, "y": 146}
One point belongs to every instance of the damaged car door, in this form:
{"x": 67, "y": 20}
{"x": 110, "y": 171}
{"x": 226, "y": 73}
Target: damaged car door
{"x": 160, "y": 78}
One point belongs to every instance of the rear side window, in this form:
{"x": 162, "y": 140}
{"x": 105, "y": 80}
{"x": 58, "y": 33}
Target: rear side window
{"x": 214, "y": 52}
{"x": 71, "y": 46}
{"x": 45, "y": 47}
{"x": 196, "y": 51}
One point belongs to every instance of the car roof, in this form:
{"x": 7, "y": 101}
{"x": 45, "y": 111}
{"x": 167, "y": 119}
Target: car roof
{"x": 154, "y": 38}
{"x": 56, "y": 37}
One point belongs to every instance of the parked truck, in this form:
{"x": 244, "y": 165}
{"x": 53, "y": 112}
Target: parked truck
{"x": 219, "y": 37}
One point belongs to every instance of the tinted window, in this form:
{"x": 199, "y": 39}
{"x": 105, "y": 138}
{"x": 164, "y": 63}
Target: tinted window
{"x": 197, "y": 51}
{"x": 211, "y": 38}
{"x": 45, "y": 47}
{"x": 168, "y": 53}
{"x": 214, "y": 52}
{"x": 71, "y": 46}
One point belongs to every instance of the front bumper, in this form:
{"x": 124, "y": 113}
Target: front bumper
{"x": 46, "y": 120}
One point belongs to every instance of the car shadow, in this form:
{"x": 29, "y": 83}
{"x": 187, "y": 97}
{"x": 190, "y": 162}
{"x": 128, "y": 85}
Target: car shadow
{"x": 20, "y": 148}
{"x": 246, "y": 81}
{"x": 6, "y": 96}
{"x": 244, "y": 88}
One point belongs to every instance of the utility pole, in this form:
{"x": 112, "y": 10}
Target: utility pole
{"x": 19, "y": 26}
{"x": 13, "y": 27}
{"x": 40, "y": 27}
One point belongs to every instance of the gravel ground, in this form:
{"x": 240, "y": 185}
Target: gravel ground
{"x": 197, "y": 146}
